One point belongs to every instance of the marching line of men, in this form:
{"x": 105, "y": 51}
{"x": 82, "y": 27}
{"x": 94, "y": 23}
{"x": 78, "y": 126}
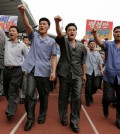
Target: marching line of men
{"x": 77, "y": 65}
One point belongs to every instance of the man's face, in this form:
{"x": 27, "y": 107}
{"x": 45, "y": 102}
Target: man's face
{"x": 43, "y": 27}
{"x": 116, "y": 34}
{"x": 92, "y": 45}
{"x": 13, "y": 34}
{"x": 71, "y": 32}
{"x": 26, "y": 41}
{"x": 103, "y": 56}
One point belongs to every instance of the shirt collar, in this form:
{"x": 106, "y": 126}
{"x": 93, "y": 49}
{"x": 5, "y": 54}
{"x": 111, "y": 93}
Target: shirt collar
{"x": 114, "y": 42}
{"x": 76, "y": 43}
{"x": 16, "y": 42}
{"x": 46, "y": 38}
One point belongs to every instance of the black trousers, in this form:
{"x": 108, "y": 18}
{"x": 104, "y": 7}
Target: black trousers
{"x": 92, "y": 84}
{"x": 1, "y": 82}
{"x": 11, "y": 82}
{"x": 67, "y": 86}
{"x": 23, "y": 85}
{"x": 110, "y": 92}
{"x": 43, "y": 86}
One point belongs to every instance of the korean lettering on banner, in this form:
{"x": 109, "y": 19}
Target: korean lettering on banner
{"x": 104, "y": 28}
{"x": 6, "y": 21}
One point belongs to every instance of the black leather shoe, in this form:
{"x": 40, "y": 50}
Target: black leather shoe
{"x": 74, "y": 127}
{"x": 3, "y": 94}
{"x": 22, "y": 101}
{"x": 118, "y": 124}
{"x": 9, "y": 117}
{"x": 41, "y": 121}
{"x": 28, "y": 125}
{"x": 91, "y": 99}
{"x": 88, "y": 103}
{"x": 105, "y": 111}
{"x": 114, "y": 104}
{"x": 64, "y": 123}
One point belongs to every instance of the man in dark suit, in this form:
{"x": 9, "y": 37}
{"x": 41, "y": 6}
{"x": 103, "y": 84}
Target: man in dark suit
{"x": 70, "y": 70}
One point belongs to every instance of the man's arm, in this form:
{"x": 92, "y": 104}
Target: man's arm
{"x": 25, "y": 50}
{"x": 84, "y": 72}
{"x": 101, "y": 65}
{"x": 101, "y": 69}
{"x": 25, "y": 19}
{"x": 98, "y": 41}
{"x": 2, "y": 36}
{"x": 54, "y": 64}
{"x": 58, "y": 29}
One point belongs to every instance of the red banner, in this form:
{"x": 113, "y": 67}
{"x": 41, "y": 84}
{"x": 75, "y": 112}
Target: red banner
{"x": 104, "y": 28}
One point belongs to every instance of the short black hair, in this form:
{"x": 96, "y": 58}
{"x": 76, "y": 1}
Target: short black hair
{"x": 44, "y": 19}
{"x": 26, "y": 37}
{"x": 70, "y": 24}
{"x": 117, "y": 27}
{"x": 91, "y": 40}
{"x": 15, "y": 28}
{"x": 102, "y": 52}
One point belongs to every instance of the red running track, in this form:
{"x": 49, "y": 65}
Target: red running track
{"x": 92, "y": 120}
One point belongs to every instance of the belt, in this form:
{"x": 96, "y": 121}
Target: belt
{"x": 12, "y": 67}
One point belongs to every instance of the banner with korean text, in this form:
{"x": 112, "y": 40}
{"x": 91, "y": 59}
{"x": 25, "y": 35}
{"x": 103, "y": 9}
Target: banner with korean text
{"x": 104, "y": 28}
{"x": 6, "y": 21}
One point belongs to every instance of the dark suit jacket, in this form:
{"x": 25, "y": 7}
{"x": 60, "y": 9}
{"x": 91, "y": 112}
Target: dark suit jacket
{"x": 67, "y": 62}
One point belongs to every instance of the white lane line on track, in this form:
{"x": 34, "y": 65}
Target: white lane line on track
{"x": 90, "y": 121}
{"x": 23, "y": 117}
{"x": 18, "y": 124}
{"x": 21, "y": 120}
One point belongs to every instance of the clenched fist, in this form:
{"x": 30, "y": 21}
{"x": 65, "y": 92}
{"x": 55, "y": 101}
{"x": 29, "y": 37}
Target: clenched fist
{"x": 21, "y": 8}
{"x": 57, "y": 19}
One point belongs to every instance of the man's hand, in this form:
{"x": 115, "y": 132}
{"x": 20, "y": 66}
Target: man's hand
{"x": 101, "y": 72}
{"x": 84, "y": 79}
{"x": 52, "y": 76}
{"x": 57, "y": 19}
{"x": 93, "y": 31}
{"x": 21, "y": 8}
